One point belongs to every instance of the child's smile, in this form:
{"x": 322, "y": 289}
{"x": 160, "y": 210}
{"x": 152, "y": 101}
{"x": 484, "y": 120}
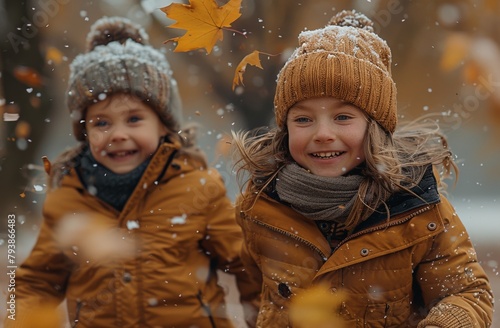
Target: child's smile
{"x": 327, "y": 155}
{"x": 120, "y": 155}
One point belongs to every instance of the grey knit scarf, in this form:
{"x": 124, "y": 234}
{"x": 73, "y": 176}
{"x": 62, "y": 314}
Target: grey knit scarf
{"x": 114, "y": 189}
{"x": 317, "y": 197}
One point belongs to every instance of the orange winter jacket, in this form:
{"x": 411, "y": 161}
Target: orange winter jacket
{"x": 419, "y": 268}
{"x": 153, "y": 264}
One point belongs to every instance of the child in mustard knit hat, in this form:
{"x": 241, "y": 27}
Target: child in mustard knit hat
{"x": 136, "y": 225}
{"x": 337, "y": 198}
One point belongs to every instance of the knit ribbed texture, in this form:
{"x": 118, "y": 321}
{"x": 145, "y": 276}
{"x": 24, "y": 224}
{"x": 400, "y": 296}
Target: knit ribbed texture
{"x": 447, "y": 315}
{"x": 120, "y": 61}
{"x": 345, "y": 60}
{"x": 317, "y": 197}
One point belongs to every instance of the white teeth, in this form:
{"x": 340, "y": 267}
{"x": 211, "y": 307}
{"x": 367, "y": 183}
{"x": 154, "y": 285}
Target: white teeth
{"x": 121, "y": 153}
{"x": 328, "y": 154}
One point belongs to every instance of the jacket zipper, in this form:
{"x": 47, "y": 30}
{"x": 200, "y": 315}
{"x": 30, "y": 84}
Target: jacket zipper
{"x": 206, "y": 307}
{"x": 385, "y": 225}
{"x": 79, "y": 305}
{"x": 286, "y": 233}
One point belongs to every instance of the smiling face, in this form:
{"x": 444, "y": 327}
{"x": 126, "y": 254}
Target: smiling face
{"x": 122, "y": 132}
{"x": 326, "y": 135}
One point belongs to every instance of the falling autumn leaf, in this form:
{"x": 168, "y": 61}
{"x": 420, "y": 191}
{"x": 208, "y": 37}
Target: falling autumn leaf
{"x": 28, "y": 76}
{"x": 316, "y": 307}
{"x": 203, "y": 20}
{"x": 23, "y": 129}
{"x": 54, "y": 55}
{"x": 46, "y": 164}
{"x": 251, "y": 59}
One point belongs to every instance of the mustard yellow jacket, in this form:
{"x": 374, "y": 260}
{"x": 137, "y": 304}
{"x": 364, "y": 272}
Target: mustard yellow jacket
{"x": 417, "y": 269}
{"x": 175, "y": 231}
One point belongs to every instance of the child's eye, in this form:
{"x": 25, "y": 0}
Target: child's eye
{"x": 342, "y": 117}
{"x": 100, "y": 123}
{"x": 134, "y": 119}
{"x": 302, "y": 120}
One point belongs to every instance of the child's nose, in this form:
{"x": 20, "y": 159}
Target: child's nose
{"x": 118, "y": 133}
{"x": 324, "y": 133}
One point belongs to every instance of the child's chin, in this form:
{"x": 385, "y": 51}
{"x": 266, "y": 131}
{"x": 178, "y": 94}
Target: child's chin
{"x": 121, "y": 170}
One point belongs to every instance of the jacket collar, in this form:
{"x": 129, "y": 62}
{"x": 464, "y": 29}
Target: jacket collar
{"x": 164, "y": 164}
{"x": 156, "y": 171}
{"x": 390, "y": 235}
{"x": 425, "y": 193}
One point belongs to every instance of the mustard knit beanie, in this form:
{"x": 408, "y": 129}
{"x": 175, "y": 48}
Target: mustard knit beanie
{"x": 119, "y": 60}
{"x": 345, "y": 60}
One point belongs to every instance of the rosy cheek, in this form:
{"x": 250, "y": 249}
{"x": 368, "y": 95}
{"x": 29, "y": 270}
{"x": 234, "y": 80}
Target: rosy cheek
{"x": 96, "y": 138}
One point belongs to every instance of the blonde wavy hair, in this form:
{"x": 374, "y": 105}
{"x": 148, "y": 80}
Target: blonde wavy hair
{"x": 393, "y": 162}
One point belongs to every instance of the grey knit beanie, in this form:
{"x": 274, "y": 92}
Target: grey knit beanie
{"x": 119, "y": 59}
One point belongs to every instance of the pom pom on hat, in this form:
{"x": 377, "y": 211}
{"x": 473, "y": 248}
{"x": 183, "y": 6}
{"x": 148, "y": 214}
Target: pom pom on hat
{"x": 119, "y": 60}
{"x": 345, "y": 60}
{"x": 109, "y": 29}
{"x": 352, "y": 19}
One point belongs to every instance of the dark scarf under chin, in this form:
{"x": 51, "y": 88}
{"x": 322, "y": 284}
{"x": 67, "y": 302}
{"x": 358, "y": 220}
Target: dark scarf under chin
{"x": 316, "y": 197}
{"x": 114, "y": 189}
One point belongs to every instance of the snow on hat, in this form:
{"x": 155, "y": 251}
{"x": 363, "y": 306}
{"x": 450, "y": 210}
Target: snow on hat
{"x": 119, "y": 59}
{"x": 345, "y": 60}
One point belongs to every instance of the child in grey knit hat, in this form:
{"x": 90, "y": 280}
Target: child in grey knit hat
{"x": 119, "y": 59}
{"x": 136, "y": 225}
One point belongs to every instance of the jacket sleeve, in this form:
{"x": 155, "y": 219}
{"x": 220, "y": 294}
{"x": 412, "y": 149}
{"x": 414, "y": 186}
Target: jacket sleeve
{"x": 454, "y": 285}
{"x": 254, "y": 273}
{"x": 247, "y": 253}
{"x": 224, "y": 241}
{"x": 39, "y": 282}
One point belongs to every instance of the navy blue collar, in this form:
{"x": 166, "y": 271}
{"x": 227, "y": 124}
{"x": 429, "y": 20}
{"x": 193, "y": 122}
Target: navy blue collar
{"x": 425, "y": 193}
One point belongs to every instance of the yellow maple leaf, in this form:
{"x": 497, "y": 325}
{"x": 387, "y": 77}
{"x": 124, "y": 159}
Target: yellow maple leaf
{"x": 203, "y": 20}
{"x": 251, "y": 59}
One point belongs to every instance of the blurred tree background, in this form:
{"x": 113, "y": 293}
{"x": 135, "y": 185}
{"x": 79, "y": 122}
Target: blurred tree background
{"x": 446, "y": 63}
